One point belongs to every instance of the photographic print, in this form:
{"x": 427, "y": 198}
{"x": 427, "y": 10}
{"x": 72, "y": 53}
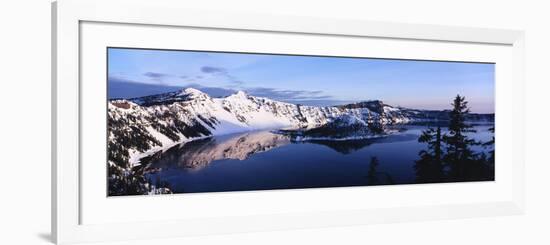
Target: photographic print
{"x": 182, "y": 121}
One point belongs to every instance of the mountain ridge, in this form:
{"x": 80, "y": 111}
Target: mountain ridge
{"x": 141, "y": 126}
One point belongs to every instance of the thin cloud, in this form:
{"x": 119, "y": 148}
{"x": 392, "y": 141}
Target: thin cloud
{"x": 213, "y": 69}
{"x": 220, "y": 71}
{"x": 287, "y": 95}
{"x": 321, "y": 102}
{"x": 156, "y": 75}
{"x": 212, "y": 91}
{"x": 120, "y": 87}
{"x": 272, "y": 93}
{"x": 116, "y": 79}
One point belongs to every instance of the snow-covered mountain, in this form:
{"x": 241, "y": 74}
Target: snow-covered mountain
{"x": 141, "y": 126}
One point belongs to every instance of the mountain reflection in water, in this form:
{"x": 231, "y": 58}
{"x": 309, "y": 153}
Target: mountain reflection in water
{"x": 199, "y": 153}
{"x": 264, "y": 160}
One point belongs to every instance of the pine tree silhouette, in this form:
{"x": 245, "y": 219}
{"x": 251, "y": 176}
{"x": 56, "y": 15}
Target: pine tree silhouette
{"x": 491, "y": 143}
{"x": 429, "y": 168}
{"x": 488, "y": 162}
{"x": 450, "y": 156}
{"x": 459, "y": 156}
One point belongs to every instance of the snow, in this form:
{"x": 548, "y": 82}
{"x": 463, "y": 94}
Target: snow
{"x": 160, "y": 137}
{"x": 239, "y": 112}
{"x": 229, "y": 127}
{"x": 241, "y": 94}
{"x": 191, "y": 91}
{"x": 350, "y": 120}
{"x": 388, "y": 109}
{"x": 136, "y": 156}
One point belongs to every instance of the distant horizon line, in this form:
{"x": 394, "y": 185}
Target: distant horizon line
{"x": 344, "y": 103}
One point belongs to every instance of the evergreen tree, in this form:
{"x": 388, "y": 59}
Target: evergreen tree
{"x": 429, "y": 168}
{"x": 491, "y": 143}
{"x": 488, "y": 162}
{"x": 459, "y": 156}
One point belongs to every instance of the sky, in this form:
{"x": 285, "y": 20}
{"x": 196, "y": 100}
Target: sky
{"x": 310, "y": 80}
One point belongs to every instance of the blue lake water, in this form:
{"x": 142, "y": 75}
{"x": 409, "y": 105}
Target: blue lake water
{"x": 263, "y": 160}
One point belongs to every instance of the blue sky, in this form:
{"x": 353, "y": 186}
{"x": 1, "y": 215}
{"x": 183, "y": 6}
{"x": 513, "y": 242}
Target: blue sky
{"x": 302, "y": 79}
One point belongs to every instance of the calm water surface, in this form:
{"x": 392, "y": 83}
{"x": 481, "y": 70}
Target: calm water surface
{"x": 262, "y": 160}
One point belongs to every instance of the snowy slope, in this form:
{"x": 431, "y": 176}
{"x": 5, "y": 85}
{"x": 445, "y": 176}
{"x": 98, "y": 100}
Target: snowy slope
{"x": 141, "y": 126}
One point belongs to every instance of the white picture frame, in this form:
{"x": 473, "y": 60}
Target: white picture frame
{"x": 67, "y": 200}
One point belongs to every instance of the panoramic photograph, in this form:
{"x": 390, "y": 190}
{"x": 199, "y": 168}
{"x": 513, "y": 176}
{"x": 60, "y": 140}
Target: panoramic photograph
{"x": 181, "y": 121}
